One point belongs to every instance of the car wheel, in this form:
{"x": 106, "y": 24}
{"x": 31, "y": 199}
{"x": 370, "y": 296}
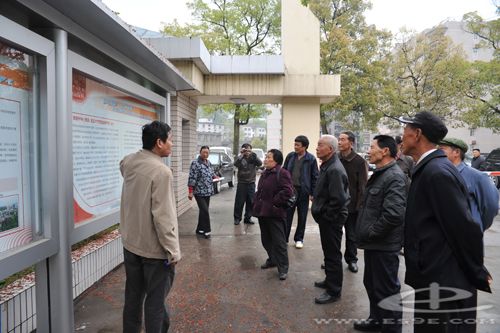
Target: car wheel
{"x": 497, "y": 181}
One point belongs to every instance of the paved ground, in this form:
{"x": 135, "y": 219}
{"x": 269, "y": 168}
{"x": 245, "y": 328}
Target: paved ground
{"x": 219, "y": 286}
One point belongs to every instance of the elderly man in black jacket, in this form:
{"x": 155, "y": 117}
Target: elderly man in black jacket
{"x": 443, "y": 244}
{"x": 379, "y": 231}
{"x": 329, "y": 209}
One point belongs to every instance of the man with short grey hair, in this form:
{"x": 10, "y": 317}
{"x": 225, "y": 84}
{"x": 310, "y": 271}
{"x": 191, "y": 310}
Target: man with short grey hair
{"x": 329, "y": 209}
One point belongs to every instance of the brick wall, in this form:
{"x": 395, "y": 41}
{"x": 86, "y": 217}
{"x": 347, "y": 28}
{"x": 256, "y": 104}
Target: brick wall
{"x": 183, "y": 123}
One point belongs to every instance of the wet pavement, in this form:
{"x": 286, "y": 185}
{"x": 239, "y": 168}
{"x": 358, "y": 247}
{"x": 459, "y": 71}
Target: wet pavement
{"x": 219, "y": 286}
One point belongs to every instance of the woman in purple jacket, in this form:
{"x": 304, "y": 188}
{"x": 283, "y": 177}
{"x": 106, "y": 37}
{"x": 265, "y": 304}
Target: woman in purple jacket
{"x": 270, "y": 206}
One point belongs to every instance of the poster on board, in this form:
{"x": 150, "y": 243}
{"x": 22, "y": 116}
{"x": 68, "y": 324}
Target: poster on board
{"x": 15, "y": 99}
{"x": 107, "y": 125}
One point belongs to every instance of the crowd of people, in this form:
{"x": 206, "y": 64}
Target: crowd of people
{"x": 421, "y": 198}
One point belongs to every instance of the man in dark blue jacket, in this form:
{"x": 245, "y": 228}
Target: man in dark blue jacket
{"x": 304, "y": 170}
{"x": 379, "y": 231}
{"x": 443, "y": 244}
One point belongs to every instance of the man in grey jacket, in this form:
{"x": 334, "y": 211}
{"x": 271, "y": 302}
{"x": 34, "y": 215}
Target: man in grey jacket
{"x": 148, "y": 224}
{"x": 379, "y": 231}
{"x": 247, "y": 164}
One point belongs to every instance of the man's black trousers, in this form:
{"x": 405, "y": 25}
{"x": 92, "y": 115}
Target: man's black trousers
{"x": 381, "y": 281}
{"x": 331, "y": 238}
{"x": 351, "y": 250}
{"x": 245, "y": 193}
{"x": 302, "y": 206}
{"x": 148, "y": 281}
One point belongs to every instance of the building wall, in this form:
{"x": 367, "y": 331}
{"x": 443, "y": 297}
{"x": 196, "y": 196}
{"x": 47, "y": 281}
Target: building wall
{"x": 300, "y": 117}
{"x": 183, "y": 122}
{"x": 481, "y": 138}
{"x": 274, "y": 127}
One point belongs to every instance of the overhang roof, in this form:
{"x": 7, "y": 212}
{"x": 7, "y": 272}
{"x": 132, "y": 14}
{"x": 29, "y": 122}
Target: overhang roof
{"x": 83, "y": 17}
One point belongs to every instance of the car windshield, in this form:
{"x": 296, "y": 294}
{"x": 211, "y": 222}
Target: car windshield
{"x": 213, "y": 158}
{"x": 259, "y": 153}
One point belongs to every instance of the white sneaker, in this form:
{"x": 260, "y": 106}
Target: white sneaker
{"x": 299, "y": 244}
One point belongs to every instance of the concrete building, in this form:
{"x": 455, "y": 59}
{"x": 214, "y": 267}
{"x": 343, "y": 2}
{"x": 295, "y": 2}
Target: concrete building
{"x": 210, "y": 133}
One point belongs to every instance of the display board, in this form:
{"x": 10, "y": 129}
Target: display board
{"x": 15, "y": 171}
{"x": 106, "y": 125}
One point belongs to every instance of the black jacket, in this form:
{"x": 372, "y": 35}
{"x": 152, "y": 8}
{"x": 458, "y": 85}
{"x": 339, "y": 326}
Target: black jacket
{"x": 381, "y": 216}
{"x": 442, "y": 242}
{"x": 357, "y": 172}
{"x": 309, "y": 174}
{"x": 331, "y": 195}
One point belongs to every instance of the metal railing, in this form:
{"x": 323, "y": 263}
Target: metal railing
{"x": 18, "y": 313}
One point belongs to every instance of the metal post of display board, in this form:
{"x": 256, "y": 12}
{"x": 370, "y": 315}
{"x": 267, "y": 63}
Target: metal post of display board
{"x": 60, "y": 274}
{"x": 167, "y": 118}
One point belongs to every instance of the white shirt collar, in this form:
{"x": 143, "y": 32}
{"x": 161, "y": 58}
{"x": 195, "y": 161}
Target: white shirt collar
{"x": 424, "y": 155}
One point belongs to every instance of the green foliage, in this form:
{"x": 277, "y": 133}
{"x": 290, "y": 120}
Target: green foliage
{"x": 482, "y": 89}
{"x": 487, "y": 31}
{"x": 426, "y": 74}
{"x": 360, "y": 54}
{"x": 482, "y": 82}
{"x": 258, "y": 142}
{"x": 233, "y": 27}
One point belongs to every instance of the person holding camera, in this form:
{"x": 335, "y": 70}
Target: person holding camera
{"x": 247, "y": 164}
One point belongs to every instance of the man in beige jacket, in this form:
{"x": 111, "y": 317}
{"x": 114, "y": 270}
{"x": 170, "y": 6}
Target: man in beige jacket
{"x": 148, "y": 224}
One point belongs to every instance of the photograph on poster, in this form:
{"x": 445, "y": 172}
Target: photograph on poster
{"x": 107, "y": 125}
{"x": 9, "y": 213}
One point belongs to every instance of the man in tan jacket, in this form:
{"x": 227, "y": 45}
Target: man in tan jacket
{"x": 148, "y": 224}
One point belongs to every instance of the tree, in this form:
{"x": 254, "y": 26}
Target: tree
{"x": 482, "y": 82}
{"x": 360, "y": 54}
{"x": 234, "y": 27}
{"x": 427, "y": 73}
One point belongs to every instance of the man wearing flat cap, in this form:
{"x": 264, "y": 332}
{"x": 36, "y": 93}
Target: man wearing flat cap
{"x": 443, "y": 245}
{"x": 483, "y": 195}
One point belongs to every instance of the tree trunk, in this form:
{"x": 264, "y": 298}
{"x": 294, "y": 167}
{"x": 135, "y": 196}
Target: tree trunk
{"x": 324, "y": 129}
{"x": 236, "y": 130}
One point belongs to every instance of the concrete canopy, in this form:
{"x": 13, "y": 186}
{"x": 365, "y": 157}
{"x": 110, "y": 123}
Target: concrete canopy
{"x": 291, "y": 79}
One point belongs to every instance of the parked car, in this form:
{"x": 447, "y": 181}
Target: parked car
{"x": 492, "y": 163}
{"x": 260, "y": 153}
{"x": 226, "y": 150}
{"x": 223, "y": 166}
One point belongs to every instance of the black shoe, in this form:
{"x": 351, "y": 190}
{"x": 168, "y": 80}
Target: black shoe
{"x": 326, "y": 298}
{"x": 249, "y": 221}
{"x": 267, "y": 265}
{"x": 206, "y": 235}
{"x": 283, "y": 276}
{"x": 353, "y": 267}
{"x": 320, "y": 284}
{"x": 322, "y": 266}
{"x": 200, "y": 233}
{"x": 368, "y": 325}
{"x": 236, "y": 221}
